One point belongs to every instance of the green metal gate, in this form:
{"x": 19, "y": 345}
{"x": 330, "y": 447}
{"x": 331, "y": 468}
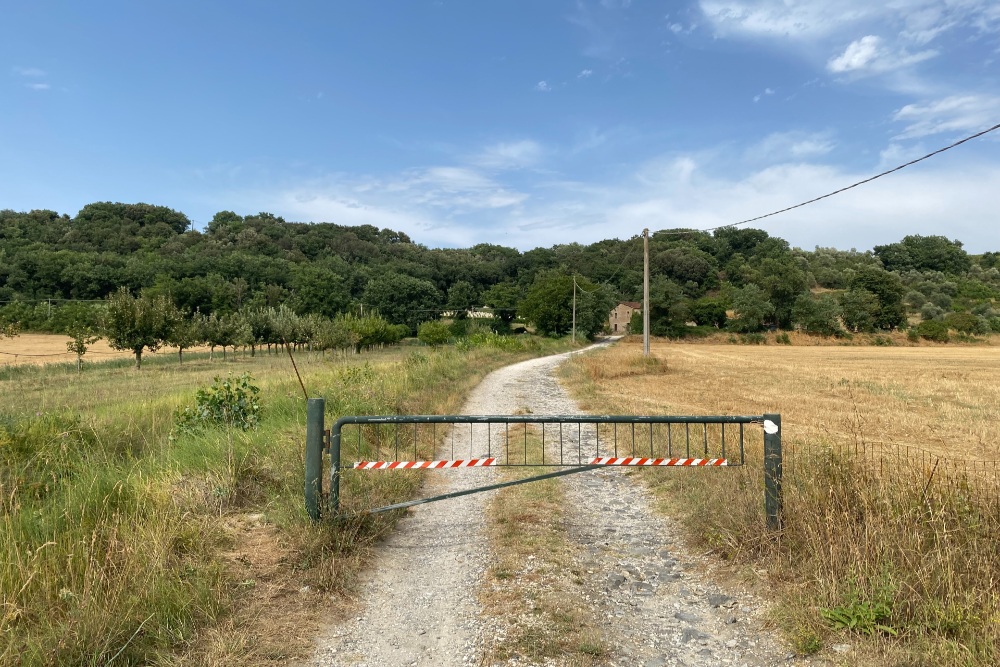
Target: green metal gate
{"x": 574, "y": 443}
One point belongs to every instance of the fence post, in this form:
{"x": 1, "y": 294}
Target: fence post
{"x": 335, "y": 468}
{"x": 772, "y": 471}
{"x": 314, "y": 455}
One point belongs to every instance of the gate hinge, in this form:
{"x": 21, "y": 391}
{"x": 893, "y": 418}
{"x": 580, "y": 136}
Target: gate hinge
{"x": 326, "y": 441}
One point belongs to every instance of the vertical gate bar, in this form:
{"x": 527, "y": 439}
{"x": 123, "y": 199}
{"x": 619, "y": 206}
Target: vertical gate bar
{"x": 772, "y": 471}
{"x": 543, "y": 443}
{"x": 314, "y": 456}
{"x": 415, "y": 455}
{"x": 524, "y": 461}
{"x": 723, "y": 439}
{"x": 633, "y": 440}
{"x": 452, "y": 441}
{"x": 687, "y": 440}
{"x": 670, "y": 439}
{"x": 560, "y": 443}
{"x": 334, "y": 500}
{"x": 506, "y": 440}
{"x": 742, "y": 459}
{"x": 579, "y": 442}
{"x": 614, "y": 434}
{"x": 434, "y": 440}
{"x": 704, "y": 432}
{"x": 396, "y": 456}
{"x": 489, "y": 440}
{"x": 597, "y": 438}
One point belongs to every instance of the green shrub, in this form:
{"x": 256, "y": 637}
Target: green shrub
{"x": 230, "y": 402}
{"x": 783, "y": 339}
{"x": 433, "y": 333}
{"x": 935, "y": 330}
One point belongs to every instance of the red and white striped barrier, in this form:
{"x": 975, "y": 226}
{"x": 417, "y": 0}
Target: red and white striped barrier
{"x": 413, "y": 465}
{"x": 631, "y": 461}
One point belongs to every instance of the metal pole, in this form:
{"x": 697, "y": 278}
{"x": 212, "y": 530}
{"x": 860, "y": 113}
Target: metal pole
{"x": 335, "y": 469}
{"x": 314, "y": 455}
{"x": 574, "y": 310}
{"x": 645, "y": 293}
{"x": 772, "y": 471}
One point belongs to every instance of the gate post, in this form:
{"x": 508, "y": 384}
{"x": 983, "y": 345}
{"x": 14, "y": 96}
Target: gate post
{"x": 314, "y": 455}
{"x": 772, "y": 471}
{"x": 335, "y": 468}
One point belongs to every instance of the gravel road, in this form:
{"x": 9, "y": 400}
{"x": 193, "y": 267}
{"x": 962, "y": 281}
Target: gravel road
{"x": 658, "y": 603}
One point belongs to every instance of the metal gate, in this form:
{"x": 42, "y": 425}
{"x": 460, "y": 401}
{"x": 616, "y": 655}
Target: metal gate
{"x": 573, "y": 443}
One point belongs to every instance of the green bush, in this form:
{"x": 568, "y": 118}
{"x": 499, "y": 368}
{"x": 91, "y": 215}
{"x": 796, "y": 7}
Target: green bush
{"x": 935, "y": 330}
{"x": 433, "y": 333}
{"x": 230, "y": 402}
{"x": 783, "y": 339}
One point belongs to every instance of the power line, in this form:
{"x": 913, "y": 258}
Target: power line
{"x": 844, "y": 189}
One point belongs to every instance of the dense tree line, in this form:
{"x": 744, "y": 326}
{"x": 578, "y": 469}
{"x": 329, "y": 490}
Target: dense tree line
{"x": 745, "y": 280}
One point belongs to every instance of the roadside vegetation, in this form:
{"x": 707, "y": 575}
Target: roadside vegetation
{"x": 891, "y": 538}
{"x": 156, "y": 517}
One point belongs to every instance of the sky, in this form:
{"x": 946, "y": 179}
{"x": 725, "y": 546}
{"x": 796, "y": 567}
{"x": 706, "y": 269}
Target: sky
{"x": 525, "y": 123}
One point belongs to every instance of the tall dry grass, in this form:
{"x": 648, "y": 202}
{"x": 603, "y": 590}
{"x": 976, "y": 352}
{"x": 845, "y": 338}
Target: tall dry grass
{"x": 892, "y": 511}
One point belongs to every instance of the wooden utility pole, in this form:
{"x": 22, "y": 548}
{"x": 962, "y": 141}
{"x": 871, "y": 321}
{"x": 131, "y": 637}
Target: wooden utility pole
{"x": 574, "y": 310}
{"x": 645, "y": 293}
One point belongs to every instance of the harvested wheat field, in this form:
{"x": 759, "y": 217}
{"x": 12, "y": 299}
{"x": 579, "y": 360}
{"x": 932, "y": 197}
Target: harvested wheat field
{"x": 941, "y": 399}
{"x": 32, "y": 348}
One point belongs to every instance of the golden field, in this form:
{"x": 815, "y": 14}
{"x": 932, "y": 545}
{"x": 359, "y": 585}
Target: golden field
{"x": 943, "y": 399}
{"x": 35, "y": 348}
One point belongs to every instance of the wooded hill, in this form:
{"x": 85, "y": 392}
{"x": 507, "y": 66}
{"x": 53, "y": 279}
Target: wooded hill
{"x": 262, "y": 261}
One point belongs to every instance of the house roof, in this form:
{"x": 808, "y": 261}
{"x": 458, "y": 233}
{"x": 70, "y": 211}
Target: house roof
{"x": 631, "y": 304}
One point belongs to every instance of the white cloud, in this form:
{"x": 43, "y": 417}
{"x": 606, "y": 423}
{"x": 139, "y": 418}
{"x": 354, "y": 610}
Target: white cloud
{"x": 769, "y": 18}
{"x": 759, "y": 96}
{"x": 958, "y": 113}
{"x": 584, "y": 73}
{"x": 543, "y": 87}
{"x": 509, "y": 155}
{"x": 857, "y": 55}
{"x": 793, "y": 145}
{"x": 37, "y": 86}
{"x": 28, "y": 71}
{"x": 871, "y": 54}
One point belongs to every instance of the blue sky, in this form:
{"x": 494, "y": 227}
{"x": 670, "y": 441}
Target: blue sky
{"x": 524, "y": 123}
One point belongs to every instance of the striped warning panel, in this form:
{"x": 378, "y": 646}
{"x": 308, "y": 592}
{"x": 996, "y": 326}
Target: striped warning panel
{"x": 413, "y": 465}
{"x": 632, "y": 461}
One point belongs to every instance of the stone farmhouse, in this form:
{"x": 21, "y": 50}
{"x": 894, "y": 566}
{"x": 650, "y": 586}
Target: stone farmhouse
{"x": 621, "y": 315}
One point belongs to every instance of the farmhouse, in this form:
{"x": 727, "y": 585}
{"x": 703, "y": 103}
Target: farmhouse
{"x": 621, "y": 315}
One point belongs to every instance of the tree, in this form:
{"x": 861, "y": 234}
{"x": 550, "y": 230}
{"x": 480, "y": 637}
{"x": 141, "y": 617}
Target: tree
{"x": 9, "y": 330}
{"x": 888, "y": 290}
{"x": 185, "y": 333}
{"x": 549, "y": 304}
{"x": 708, "y": 312}
{"x": 752, "y": 309}
{"x": 402, "y": 299}
{"x": 818, "y": 315}
{"x": 82, "y": 337}
{"x": 137, "y": 324}
{"x": 924, "y": 253}
{"x": 859, "y": 309}
{"x": 503, "y": 298}
{"x": 461, "y": 298}
{"x": 668, "y": 308}
{"x": 433, "y": 333}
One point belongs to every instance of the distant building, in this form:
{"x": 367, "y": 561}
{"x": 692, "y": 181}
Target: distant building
{"x": 620, "y": 317}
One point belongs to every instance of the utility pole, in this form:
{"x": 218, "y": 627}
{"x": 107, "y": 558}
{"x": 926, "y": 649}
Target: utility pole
{"x": 574, "y": 310}
{"x": 645, "y": 293}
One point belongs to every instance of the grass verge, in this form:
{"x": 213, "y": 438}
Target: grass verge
{"x": 121, "y": 545}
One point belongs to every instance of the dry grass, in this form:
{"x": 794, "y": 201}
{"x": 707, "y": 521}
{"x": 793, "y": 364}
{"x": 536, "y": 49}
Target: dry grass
{"x": 891, "y": 537}
{"x": 38, "y": 349}
{"x": 533, "y": 585}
